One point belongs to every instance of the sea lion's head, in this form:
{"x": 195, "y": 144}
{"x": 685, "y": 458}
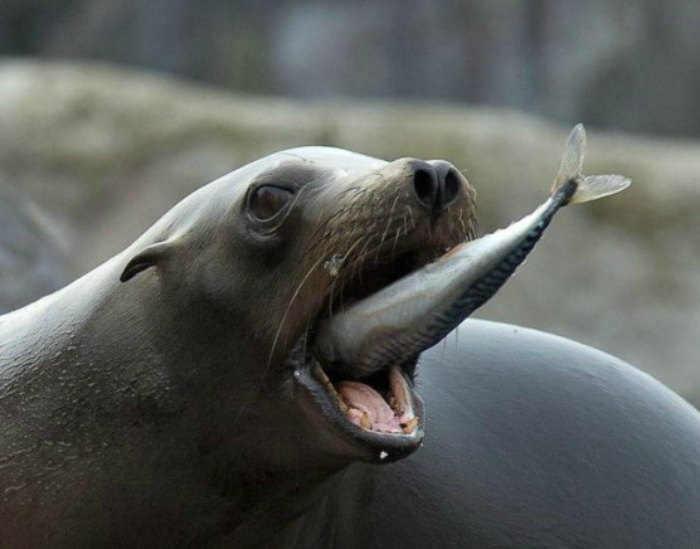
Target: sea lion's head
{"x": 260, "y": 256}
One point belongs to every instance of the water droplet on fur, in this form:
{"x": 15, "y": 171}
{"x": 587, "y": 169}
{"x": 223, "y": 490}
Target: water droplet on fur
{"x": 334, "y": 264}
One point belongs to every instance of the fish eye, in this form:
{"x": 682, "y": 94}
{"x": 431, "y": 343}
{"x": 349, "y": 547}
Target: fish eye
{"x": 266, "y": 201}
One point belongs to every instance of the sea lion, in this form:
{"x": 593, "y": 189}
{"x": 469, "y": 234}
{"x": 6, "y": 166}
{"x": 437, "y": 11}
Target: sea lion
{"x": 159, "y": 399}
{"x": 170, "y": 397}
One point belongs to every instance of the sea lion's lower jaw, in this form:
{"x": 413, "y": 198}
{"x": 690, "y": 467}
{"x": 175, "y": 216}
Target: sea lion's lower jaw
{"x": 383, "y": 414}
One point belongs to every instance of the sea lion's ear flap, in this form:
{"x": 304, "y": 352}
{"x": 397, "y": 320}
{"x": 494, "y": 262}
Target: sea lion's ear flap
{"x": 146, "y": 258}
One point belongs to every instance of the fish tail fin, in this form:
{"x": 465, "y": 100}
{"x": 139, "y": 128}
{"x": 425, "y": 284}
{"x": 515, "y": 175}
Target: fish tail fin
{"x": 594, "y": 187}
{"x": 587, "y": 188}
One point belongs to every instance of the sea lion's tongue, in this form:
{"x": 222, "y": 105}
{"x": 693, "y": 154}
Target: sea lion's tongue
{"x": 363, "y": 400}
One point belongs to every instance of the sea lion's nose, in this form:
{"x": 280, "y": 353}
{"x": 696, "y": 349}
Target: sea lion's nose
{"x": 437, "y": 184}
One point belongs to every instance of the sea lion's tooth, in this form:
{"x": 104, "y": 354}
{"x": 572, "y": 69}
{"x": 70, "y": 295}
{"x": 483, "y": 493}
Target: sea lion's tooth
{"x": 410, "y": 426}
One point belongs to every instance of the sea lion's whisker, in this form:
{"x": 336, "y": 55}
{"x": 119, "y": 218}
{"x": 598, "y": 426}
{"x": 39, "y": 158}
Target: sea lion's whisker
{"x": 388, "y": 223}
{"x": 330, "y": 301}
{"x": 410, "y": 213}
{"x": 358, "y": 262}
{"x": 289, "y": 307}
{"x": 396, "y": 241}
{"x": 464, "y": 227}
{"x": 362, "y": 259}
{"x": 367, "y": 252}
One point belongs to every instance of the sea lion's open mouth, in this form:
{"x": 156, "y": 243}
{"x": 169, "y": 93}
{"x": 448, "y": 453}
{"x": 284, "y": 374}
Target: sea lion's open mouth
{"x": 380, "y": 409}
{"x": 384, "y": 403}
{"x": 381, "y": 416}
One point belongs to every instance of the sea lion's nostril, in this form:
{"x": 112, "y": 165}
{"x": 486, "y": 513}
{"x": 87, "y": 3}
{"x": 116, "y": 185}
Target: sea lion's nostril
{"x": 449, "y": 181}
{"x": 453, "y": 184}
{"x": 426, "y": 186}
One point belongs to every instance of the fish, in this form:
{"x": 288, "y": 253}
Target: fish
{"x": 414, "y": 313}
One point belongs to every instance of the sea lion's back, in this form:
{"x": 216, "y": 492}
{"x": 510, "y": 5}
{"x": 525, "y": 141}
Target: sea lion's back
{"x": 539, "y": 441}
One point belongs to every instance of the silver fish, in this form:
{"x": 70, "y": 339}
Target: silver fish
{"x": 417, "y": 311}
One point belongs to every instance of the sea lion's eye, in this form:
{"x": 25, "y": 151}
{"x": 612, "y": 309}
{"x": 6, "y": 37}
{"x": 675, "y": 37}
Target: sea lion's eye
{"x": 268, "y": 200}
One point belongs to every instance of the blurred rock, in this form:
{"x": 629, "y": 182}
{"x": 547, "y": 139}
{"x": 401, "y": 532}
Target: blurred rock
{"x": 105, "y": 152}
{"x": 30, "y": 264}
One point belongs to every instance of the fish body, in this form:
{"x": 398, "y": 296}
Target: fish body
{"x": 417, "y": 311}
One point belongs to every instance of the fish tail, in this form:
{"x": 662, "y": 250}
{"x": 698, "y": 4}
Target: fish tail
{"x": 590, "y": 187}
